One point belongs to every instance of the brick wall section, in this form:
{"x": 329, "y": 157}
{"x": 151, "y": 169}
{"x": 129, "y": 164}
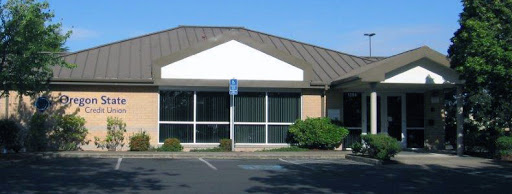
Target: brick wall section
{"x": 311, "y": 103}
{"x": 434, "y": 121}
{"x": 141, "y": 109}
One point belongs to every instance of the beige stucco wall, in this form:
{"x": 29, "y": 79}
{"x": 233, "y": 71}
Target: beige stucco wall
{"x": 311, "y": 103}
{"x": 141, "y": 109}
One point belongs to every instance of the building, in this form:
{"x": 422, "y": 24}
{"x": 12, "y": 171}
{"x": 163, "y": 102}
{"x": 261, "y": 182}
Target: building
{"x": 174, "y": 83}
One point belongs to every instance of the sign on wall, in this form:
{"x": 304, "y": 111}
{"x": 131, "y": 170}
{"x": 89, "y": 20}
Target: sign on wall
{"x": 103, "y": 104}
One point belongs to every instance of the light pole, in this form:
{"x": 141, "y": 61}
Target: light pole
{"x": 370, "y": 36}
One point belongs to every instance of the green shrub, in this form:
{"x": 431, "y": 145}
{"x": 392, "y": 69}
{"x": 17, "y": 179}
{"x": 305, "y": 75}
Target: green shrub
{"x": 139, "y": 142}
{"x": 380, "y": 146}
{"x": 38, "y": 130}
{"x": 69, "y": 132}
{"x": 10, "y": 135}
{"x": 225, "y": 144}
{"x": 116, "y": 128}
{"x": 357, "y": 148}
{"x": 317, "y": 133}
{"x": 171, "y": 145}
{"x": 504, "y": 146}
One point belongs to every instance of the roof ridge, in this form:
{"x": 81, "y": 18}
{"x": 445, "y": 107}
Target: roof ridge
{"x": 304, "y": 43}
{"x": 148, "y": 34}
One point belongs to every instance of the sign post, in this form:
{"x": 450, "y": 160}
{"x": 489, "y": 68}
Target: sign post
{"x": 233, "y": 90}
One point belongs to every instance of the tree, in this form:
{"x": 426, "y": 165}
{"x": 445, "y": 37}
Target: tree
{"x": 481, "y": 52}
{"x": 30, "y": 45}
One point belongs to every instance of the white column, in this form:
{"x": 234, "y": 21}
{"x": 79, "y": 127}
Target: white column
{"x": 364, "y": 114}
{"x": 404, "y": 121}
{"x": 460, "y": 122}
{"x": 373, "y": 108}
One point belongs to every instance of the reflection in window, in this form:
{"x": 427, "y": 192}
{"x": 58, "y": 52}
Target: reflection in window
{"x": 176, "y": 106}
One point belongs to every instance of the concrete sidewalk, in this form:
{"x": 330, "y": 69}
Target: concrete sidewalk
{"x": 210, "y": 155}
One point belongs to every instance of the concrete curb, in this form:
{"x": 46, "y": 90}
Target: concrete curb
{"x": 363, "y": 159}
{"x": 188, "y": 155}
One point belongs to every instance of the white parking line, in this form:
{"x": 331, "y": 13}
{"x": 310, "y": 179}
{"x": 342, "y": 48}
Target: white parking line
{"x": 207, "y": 163}
{"x": 118, "y": 163}
{"x": 283, "y": 160}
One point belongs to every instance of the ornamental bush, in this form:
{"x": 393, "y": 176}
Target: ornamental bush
{"x": 10, "y": 135}
{"x": 171, "y": 145}
{"x": 69, "y": 132}
{"x": 139, "y": 142}
{"x": 116, "y": 128}
{"x": 225, "y": 144}
{"x": 357, "y": 148}
{"x": 38, "y": 130}
{"x": 380, "y": 146}
{"x": 504, "y": 146}
{"x": 317, "y": 133}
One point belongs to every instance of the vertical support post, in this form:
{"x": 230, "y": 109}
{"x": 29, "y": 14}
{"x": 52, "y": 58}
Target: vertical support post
{"x": 232, "y": 121}
{"x": 373, "y": 108}
{"x": 460, "y": 122}
{"x": 404, "y": 121}
{"x": 195, "y": 117}
{"x": 364, "y": 114}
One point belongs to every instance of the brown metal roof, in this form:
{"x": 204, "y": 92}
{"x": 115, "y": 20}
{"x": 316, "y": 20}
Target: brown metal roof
{"x": 130, "y": 60}
{"x": 375, "y": 72}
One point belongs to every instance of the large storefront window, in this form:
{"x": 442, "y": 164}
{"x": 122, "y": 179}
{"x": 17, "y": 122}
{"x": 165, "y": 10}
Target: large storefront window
{"x": 260, "y": 117}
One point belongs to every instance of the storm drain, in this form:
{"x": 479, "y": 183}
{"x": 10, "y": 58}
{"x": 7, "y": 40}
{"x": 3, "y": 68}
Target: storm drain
{"x": 262, "y": 167}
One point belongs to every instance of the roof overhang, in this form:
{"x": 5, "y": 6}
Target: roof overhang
{"x": 224, "y": 38}
{"x": 379, "y": 72}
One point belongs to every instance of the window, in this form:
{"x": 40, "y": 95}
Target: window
{"x": 212, "y": 106}
{"x": 176, "y": 106}
{"x": 283, "y": 107}
{"x": 176, "y": 114}
{"x": 260, "y": 117}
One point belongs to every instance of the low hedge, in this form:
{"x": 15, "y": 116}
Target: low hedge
{"x": 171, "y": 145}
{"x": 139, "y": 142}
{"x": 504, "y": 146}
{"x": 317, "y": 133}
{"x": 225, "y": 145}
{"x": 10, "y": 135}
{"x": 380, "y": 146}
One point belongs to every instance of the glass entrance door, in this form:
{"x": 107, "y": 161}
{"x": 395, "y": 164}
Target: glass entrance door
{"x": 394, "y": 116}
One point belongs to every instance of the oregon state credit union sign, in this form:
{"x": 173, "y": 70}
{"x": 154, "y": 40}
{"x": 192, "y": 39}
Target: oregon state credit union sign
{"x": 104, "y": 104}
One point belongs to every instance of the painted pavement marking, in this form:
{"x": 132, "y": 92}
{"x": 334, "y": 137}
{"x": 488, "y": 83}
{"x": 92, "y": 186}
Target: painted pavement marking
{"x": 207, "y": 163}
{"x": 298, "y": 164}
{"x": 118, "y": 163}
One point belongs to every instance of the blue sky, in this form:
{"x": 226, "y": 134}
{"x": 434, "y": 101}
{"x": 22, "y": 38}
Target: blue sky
{"x": 400, "y": 25}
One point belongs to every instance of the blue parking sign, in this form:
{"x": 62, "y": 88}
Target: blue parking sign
{"x": 233, "y": 87}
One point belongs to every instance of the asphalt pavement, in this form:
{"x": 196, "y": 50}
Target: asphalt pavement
{"x": 199, "y": 175}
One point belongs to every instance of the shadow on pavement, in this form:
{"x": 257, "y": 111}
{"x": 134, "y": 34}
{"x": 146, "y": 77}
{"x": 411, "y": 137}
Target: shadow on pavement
{"x": 391, "y": 178}
{"x": 74, "y": 175}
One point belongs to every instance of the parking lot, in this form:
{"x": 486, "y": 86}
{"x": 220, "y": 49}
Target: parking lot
{"x": 200, "y": 175}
